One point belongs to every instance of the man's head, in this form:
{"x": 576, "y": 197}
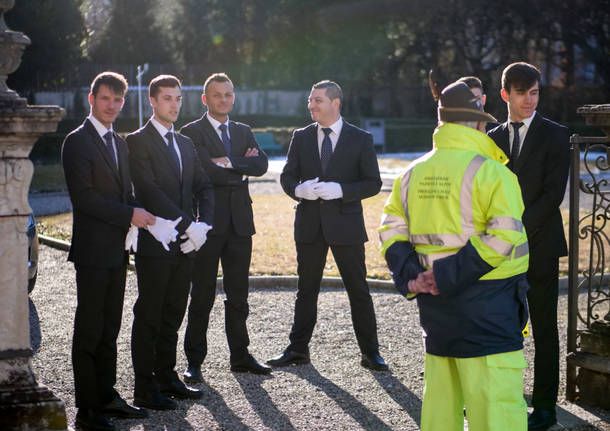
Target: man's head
{"x": 165, "y": 96}
{"x": 457, "y": 104}
{"x": 476, "y": 86}
{"x": 107, "y": 97}
{"x": 520, "y": 90}
{"x": 325, "y": 102}
{"x": 219, "y": 96}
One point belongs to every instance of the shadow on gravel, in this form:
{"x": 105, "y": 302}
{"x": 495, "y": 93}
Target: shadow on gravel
{"x": 350, "y": 405}
{"x": 161, "y": 421}
{"x": 262, "y": 403}
{"x": 216, "y": 405}
{"x": 409, "y": 402}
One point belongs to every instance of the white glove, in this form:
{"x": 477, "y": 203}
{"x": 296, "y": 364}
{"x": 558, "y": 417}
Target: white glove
{"x": 328, "y": 191}
{"x": 131, "y": 240}
{"x": 197, "y": 233}
{"x": 305, "y": 190}
{"x": 164, "y": 230}
{"x": 187, "y": 246}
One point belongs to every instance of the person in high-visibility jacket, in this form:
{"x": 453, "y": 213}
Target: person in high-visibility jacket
{"x": 452, "y": 237}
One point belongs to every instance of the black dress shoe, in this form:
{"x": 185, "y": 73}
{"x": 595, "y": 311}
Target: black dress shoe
{"x": 249, "y": 365}
{"x": 88, "y": 419}
{"x": 118, "y": 408}
{"x": 289, "y": 358}
{"x": 192, "y": 374}
{"x": 374, "y": 362}
{"x": 154, "y": 401}
{"x": 180, "y": 391}
{"x": 541, "y": 418}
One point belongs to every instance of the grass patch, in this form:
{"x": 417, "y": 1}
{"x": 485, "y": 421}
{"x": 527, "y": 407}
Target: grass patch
{"x": 273, "y": 249}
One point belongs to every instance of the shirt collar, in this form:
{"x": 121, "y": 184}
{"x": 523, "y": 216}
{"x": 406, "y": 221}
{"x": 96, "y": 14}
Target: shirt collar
{"x": 335, "y": 127}
{"x": 215, "y": 123}
{"x": 526, "y": 121}
{"x": 99, "y": 127}
{"x": 160, "y": 127}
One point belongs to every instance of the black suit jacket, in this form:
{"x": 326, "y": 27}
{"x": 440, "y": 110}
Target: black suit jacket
{"x": 101, "y": 195}
{"x": 232, "y": 200}
{"x": 542, "y": 169}
{"x": 161, "y": 189}
{"x": 353, "y": 165}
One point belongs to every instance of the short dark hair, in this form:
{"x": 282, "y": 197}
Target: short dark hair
{"x": 216, "y": 77}
{"x": 115, "y": 81}
{"x": 471, "y": 82}
{"x": 520, "y": 76}
{"x": 162, "y": 81}
{"x": 333, "y": 91}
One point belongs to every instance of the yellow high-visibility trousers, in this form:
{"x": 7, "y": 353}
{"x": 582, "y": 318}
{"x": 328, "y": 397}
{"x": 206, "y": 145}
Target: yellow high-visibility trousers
{"x": 490, "y": 387}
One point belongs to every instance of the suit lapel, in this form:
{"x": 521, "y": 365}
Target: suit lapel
{"x": 213, "y": 138}
{"x": 528, "y": 142}
{"x": 341, "y": 146}
{"x": 502, "y": 141}
{"x": 159, "y": 142}
{"x": 185, "y": 154}
{"x": 101, "y": 147}
{"x": 311, "y": 148}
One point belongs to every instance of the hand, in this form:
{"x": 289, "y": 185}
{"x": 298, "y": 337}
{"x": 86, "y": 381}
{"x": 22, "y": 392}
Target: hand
{"x": 223, "y": 162}
{"x": 197, "y": 233}
{"x": 131, "y": 240}
{"x": 142, "y": 218}
{"x": 187, "y": 246}
{"x": 305, "y": 190}
{"x": 164, "y": 231}
{"x": 424, "y": 283}
{"x": 328, "y": 190}
{"x": 251, "y": 152}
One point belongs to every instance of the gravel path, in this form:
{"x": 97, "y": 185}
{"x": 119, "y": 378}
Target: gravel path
{"x": 332, "y": 393}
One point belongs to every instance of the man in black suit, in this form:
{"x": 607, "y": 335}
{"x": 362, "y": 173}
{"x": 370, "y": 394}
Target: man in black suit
{"x": 229, "y": 154}
{"x": 539, "y": 156}
{"x": 331, "y": 166}
{"x": 95, "y": 164}
{"x": 168, "y": 179}
{"x": 476, "y": 86}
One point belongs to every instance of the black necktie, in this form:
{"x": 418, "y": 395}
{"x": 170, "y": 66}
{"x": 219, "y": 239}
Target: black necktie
{"x": 225, "y": 139}
{"x": 110, "y": 148}
{"x": 172, "y": 150}
{"x": 327, "y": 149}
{"x": 514, "y": 152}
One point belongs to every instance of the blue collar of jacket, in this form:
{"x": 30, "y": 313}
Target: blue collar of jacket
{"x": 458, "y": 137}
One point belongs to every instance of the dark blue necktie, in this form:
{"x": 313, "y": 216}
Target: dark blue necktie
{"x": 327, "y": 149}
{"x": 110, "y": 148}
{"x": 514, "y": 152}
{"x": 225, "y": 139}
{"x": 172, "y": 149}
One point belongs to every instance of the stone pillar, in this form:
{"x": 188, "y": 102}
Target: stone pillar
{"x": 24, "y": 405}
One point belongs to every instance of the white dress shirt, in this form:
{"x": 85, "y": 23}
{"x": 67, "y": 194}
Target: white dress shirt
{"x": 102, "y": 130}
{"x": 163, "y": 131}
{"x": 522, "y": 131}
{"x": 333, "y": 135}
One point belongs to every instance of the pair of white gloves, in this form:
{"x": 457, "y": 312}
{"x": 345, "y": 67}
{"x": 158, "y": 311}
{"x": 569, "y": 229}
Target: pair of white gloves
{"x": 312, "y": 190}
{"x": 165, "y": 232}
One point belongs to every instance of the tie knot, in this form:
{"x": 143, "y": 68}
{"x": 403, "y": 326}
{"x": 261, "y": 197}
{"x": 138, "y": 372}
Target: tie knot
{"x": 327, "y": 131}
{"x": 222, "y": 127}
{"x": 108, "y": 137}
{"x": 516, "y": 126}
{"x": 169, "y": 136}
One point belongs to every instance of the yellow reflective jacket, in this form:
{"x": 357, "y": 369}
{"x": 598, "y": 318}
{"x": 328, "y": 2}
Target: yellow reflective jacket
{"x": 459, "y": 192}
{"x": 457, "y": 210}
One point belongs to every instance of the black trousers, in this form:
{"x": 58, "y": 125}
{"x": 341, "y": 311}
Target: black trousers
{"x": 311, "y": 259}
{"x": 234, "y": 252}
{"x": 97, "y": 322}
{"x": 543, "y": 277}
{"x": 163, "y": 286}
